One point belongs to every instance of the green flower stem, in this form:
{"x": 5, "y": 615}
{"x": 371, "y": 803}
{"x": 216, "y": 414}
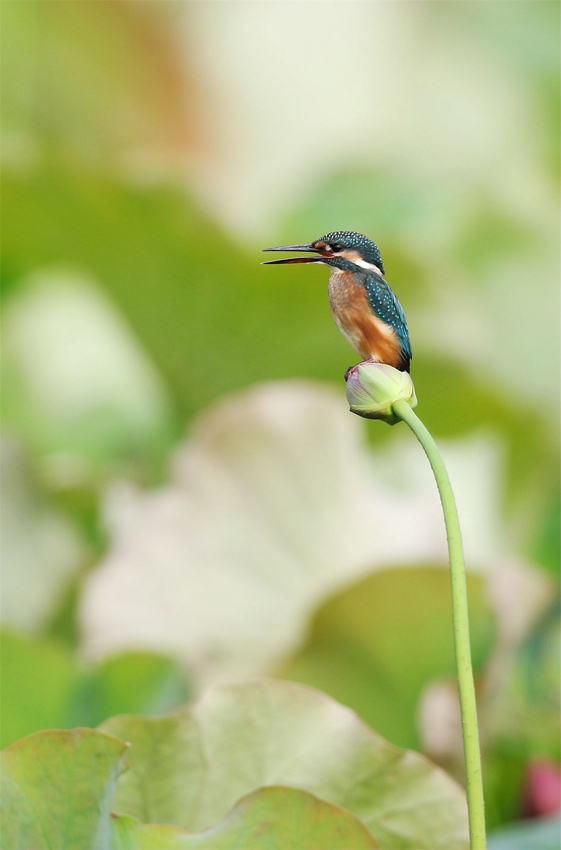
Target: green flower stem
{"x": 474, "y": 785}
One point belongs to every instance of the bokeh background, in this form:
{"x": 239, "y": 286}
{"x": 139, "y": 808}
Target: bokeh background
{"x": 186, "y": 498}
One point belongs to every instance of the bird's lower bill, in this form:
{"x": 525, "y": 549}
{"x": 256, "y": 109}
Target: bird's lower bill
{"x": 293, "y": 260}
{"x": 308, "y": 247}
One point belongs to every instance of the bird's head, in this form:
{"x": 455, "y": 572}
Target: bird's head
{"x": 345, "y": 244}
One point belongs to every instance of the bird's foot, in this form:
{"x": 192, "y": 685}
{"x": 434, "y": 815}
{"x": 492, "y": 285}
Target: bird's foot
{"x": 362, "y": 362}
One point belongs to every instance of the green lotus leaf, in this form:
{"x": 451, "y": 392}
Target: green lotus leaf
{"x": 190, "y": 768}
{"x": 57, "y": 788}
{"x": 273, "y": 817}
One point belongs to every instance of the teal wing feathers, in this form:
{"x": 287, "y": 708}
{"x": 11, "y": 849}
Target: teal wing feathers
{"x": 384, "y": 303}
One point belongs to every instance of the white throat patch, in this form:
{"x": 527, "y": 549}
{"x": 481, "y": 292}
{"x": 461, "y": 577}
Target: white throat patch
{"x": 354, "y": 257}
{"x": 370, "y": 266}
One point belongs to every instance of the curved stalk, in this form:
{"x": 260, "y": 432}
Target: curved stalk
{"x": 474, "y": 784}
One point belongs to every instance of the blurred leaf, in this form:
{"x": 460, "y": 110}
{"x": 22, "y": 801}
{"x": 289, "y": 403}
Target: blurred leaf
{"x": 524, "y": 715}
{"x": 64, "y": 626}
{"x": 190, "y": 768}
{"x": 504, "y": 773}
{"x": 98, "y": 80}
{"x": 79, "y": 385}
{"x": 192, "y": 297}
{"x": 546, "y": 549}
{"x": 376, "y": 645}
{"x": 37, "y": 685}
{"x": 57, "y": 788}
{"x": 41, "y": 550}
{"x": 304, "y": 509}
{"x": 489, "y": 233}
{"x": 452, "y": 401}
{"x": 522, "y": 719}
{"x": 538, "y": 834}
{"x": 272, "y": 817}
{"x": 132, "y": 682}
{"x": 285, "y": 469}
{"x": 524, "y": 39}
{"x": 43, "y": 686}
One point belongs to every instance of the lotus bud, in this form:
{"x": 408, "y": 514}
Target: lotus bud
{"x": 372, "y": 388}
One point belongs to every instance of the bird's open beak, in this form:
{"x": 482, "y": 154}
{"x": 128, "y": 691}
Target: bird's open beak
{"x": 293, "y": 259}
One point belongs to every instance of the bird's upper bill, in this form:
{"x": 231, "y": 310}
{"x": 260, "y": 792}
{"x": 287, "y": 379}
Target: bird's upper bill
{"x": 323, "y": 251}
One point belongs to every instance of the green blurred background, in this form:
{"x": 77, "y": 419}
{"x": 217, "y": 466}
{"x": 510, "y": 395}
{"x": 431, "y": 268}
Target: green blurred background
{"x": 149, "y": 151}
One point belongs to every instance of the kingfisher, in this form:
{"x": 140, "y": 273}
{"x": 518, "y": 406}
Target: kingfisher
{"x": 364, "y": 306}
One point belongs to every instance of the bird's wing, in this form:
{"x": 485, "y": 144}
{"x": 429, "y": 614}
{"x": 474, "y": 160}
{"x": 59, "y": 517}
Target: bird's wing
{"x": 384, "y": 302}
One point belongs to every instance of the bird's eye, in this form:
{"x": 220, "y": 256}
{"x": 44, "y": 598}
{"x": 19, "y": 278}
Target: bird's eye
{"x": 336, "y": 247}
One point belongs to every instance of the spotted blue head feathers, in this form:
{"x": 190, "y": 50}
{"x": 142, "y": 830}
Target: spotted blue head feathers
{"x": 342, "y": 242}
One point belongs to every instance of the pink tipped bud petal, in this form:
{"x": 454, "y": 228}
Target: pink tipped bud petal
{"x": 372, "y": 388}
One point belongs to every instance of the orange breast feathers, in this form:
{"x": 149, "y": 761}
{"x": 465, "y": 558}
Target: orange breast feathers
{"x": 368, "y": 334}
